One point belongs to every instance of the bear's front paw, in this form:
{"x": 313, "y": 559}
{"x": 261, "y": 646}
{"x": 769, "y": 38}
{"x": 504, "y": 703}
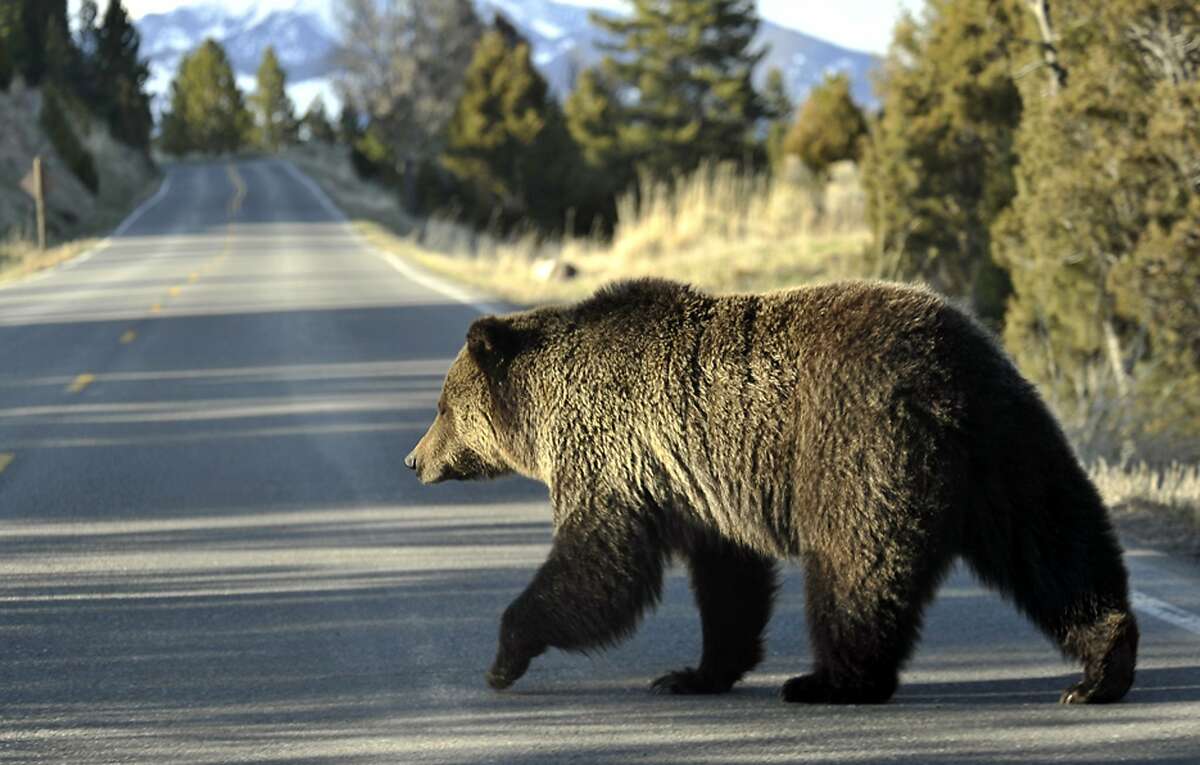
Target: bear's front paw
{"x": 688, "y": 681}
{"x": 505, "y": 672}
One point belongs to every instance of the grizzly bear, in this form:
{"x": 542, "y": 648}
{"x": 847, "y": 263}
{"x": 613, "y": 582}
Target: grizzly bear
{"x": 870, "y": 431}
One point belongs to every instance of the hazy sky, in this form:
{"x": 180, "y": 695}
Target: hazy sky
{"x": 859, "y": 24}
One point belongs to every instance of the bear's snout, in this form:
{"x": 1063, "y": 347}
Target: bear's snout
{"x": 411, "y": 460}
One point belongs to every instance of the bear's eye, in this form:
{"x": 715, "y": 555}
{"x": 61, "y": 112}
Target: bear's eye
{"x": 442, "y": 408}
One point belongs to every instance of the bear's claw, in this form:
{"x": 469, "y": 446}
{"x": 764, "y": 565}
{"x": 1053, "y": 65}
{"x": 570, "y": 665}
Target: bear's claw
{"x": 504, "y": 674}
{"x": 688, "y": 681}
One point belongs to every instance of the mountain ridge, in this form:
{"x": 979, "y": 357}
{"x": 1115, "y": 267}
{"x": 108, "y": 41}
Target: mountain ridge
{"x": 563, "y": 39}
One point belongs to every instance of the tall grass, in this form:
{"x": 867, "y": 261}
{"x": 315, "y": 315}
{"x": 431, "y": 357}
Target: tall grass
{"x": 718, "y": 228}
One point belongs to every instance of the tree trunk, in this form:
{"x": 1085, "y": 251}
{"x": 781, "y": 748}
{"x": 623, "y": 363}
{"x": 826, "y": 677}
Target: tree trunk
{"x": 1049, "y": 46}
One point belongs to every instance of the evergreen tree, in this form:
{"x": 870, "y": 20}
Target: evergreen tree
{"x": 121, "y": 78}
{"x": 88, "y": 46}
{"x": 593, "y": 118}
{"x": 830, "y": 126}
{"x": 59, "y": 53}
{"x": 275, "y": 120}
{"x": 28, "y": 22}
{"x": 6, "y": 67}
{"x": 507, "y": 141}
{"x": 315, "y": 125}
{"x": 207, "y": 113}
{"x": 779, "y": 108}
{"x": 683, "y": 72}
{"x": 1103, "y": 238}
{"x": 938, "y": 168}
{"x": 349, "y": 125}
{"x": 56, "y": 122}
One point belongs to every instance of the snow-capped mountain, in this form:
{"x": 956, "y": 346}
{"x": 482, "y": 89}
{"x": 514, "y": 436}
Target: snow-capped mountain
{"x": 303, "y": 40}
{"x": 563, "y": 38}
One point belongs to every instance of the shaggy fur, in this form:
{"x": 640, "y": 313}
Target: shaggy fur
{"x": 870, "y": 431}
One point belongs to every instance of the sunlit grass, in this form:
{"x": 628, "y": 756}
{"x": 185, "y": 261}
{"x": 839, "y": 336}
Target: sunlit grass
{"x": 717, "y": 228}
{"x": 1175, "y": 486}
{"x": 20, "y": 258}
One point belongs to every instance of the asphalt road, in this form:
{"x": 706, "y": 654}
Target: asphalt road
{"x": 210, "y": 550}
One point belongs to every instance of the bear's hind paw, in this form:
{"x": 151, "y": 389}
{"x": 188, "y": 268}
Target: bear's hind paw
{"x": 688, "y": 681}
{"x": 814, "y": 688}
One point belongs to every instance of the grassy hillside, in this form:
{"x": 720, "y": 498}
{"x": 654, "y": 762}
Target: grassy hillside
{"x": 73, "y": 213}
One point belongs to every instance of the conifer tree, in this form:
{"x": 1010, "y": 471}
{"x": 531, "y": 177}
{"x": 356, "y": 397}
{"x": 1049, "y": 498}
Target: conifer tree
{"x": 274, "y": 117}
{"x": 593, "y": 118}
{"x": 315, "y": 124}
{"x": 779, "y": 110}
{"x": 938, "y": 168}
{"x": 207, "y": 113}
{"x": 349, "y": 127}
{"x": 1103, "y": 238}
{"x": 507, "y": 141}
{"x": 830, "y": 126}
{"x": 121, "y": 76}
{"x": 88, "y": 44}
{"x": 683, "y": 72}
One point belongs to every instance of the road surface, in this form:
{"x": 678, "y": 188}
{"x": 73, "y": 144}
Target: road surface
{"x": 210, "y": 551}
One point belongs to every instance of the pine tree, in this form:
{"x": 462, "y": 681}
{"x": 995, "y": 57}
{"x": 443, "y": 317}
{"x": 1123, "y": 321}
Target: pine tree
{"x": 779, "y": 109}
{"x": 122, "y": 77}
{"x": 829, "y": 128}
{"x": 315, "y": 125}
{"x": 274, "y": 117}
{"x": 27, "y": 23}
{"x": 593, "y": 118}
{"x": 349, "y": 127}
{"x": 507, "y": 141}
{"x": 1103, "y": 238}
{"x": 56, "y": 122}
{"x": 207, "y": 112}
{"x": 683, "y": 73}
{"x": 938, "y": 168}
{"x": 6, "y": 67}
{"x": 88, "y": 45}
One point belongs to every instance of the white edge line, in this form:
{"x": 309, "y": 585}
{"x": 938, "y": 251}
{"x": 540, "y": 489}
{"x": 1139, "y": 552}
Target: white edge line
{"x": 428, "y": 281}
{"x": 87, "y": 254}
{"x": 1160, "y": 609}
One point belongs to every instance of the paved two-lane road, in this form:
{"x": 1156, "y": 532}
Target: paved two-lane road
{"x": 210, "y": 550}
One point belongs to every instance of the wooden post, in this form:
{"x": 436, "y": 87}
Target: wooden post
{"x": 34, "y": 184}
{"x": 39, "y": 196}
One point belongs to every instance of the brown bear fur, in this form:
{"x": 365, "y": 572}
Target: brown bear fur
{"x": 870, "y": 431}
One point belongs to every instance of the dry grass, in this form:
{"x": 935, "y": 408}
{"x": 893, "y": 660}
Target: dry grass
{"x": 1159, "y": 506}
{"x": 19, "y": 258}
{"x": 717, "y": 228}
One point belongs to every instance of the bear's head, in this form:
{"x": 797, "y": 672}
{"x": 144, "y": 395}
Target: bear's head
{"x": 468, "y": 437}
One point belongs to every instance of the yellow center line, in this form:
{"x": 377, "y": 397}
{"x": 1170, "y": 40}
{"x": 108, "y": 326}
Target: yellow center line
{"x": 129, "y": 336}
{"x": 156, "y": 308}
{"x": 239, "y": 189}
{"x": 174, "y": 291}
{"x": 6, "y": 459}
{"x": 81, "y": 382}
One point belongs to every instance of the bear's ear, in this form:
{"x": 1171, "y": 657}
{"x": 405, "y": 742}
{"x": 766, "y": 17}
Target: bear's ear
{"x": 493, "y": 343}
